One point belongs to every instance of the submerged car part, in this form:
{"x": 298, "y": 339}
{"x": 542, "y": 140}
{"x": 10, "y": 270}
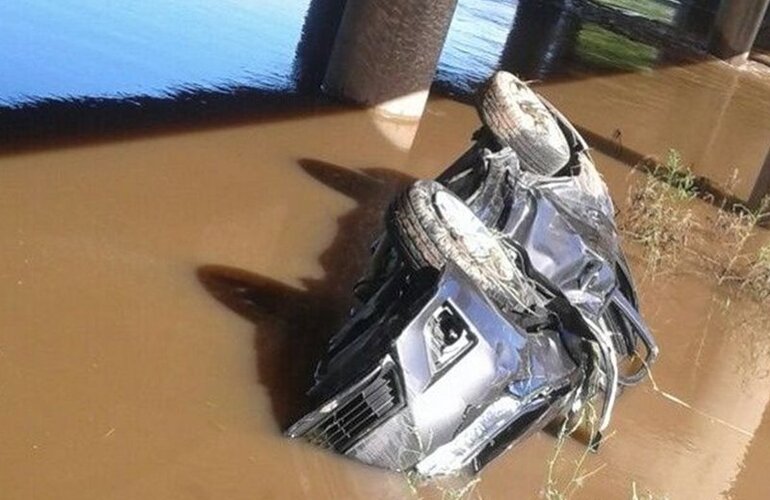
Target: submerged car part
{"x": 498, "y": 299}
{"x": 432, "y": 376}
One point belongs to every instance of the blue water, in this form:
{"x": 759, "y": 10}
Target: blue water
{"x": 90, "y": 54}
{"x": 67, "y": 49}
{"x": 117, "y": 48}
{"x": 475, "y": 42}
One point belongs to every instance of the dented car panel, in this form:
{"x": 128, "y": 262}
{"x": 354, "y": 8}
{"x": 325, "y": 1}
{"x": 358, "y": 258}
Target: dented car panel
{"x": 565, "y": 225}
{"x": 458, "y": 374}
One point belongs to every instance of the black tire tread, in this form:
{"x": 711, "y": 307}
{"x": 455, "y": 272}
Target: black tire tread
{"x": 543, "y": 154}
{"x": 417, "y": 229}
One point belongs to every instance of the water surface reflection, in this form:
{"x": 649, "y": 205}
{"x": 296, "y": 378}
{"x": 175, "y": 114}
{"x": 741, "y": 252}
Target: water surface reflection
{"x": 85, "y": 48}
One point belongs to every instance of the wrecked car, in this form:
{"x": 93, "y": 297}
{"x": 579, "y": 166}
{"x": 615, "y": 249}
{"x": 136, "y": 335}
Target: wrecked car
{"x": 498, "y": 300}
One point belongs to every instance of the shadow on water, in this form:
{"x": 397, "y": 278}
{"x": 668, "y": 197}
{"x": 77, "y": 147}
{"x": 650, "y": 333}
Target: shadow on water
{"x": 705, "y": 188}
{"x": 51, "y": 123}
{"x": 614, "y": 148}
{"x": 293, "y": 324}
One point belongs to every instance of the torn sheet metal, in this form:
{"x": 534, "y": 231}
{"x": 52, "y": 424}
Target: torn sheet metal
{"x": 430, "y": 399}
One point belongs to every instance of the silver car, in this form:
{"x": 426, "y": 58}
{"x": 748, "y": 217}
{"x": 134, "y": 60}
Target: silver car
{"x": 498, "y": 300}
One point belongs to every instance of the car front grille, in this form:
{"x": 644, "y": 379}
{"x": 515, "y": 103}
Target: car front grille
{"x": 360, "y": 413}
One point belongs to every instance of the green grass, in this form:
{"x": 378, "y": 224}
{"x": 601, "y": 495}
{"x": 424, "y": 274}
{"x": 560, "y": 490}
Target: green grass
{"x": 659, "y": 215}
{"x": 603, "y": 48}
{"x": 650, "y": 9}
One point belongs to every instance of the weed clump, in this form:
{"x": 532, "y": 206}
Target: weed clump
{"x": 757, "y": 280}
{"x": 561, "y": 483}
{"x": 732, "y": 229}
{"x": 458, "y": 487}
{"x": 659, "y": 215}
{"x": 660, "y": 218}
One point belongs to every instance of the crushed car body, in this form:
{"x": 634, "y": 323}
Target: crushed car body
{"x": 441, "y": 374}
{"x": 497, "y": 301}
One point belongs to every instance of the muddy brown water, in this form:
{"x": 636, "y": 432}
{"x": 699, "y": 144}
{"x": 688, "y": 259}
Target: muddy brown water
{"x": 159, "y": 296}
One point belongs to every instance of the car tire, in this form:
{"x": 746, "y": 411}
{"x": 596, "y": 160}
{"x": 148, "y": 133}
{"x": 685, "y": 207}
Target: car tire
{"x": 518, "y": 119}
{"x": 419, "y": 221}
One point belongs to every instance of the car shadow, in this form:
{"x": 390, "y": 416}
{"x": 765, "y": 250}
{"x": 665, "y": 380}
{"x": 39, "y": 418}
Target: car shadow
{"x": 293, "y": 324}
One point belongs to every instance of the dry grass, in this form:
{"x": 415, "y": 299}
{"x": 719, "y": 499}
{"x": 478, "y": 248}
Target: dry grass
{"x": 661, "y": 219}
{"x": 564, "y": 478}
{"x": 757, "y": 280}
{"x": 733, "y": 228}
{"x": 647, "y": 495}
{"x": 727, "y": 252}
{"x": 659, "y": 216}
{"x": 457, "y": 487}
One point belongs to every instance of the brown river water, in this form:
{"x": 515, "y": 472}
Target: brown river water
{"x": 161, "y": 298}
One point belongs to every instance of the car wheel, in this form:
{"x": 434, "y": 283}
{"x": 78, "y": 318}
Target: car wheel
{"x": 519, "y": 119}
{"x": 432, "y": 226}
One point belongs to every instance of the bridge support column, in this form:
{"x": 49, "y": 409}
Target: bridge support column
{"x": 761, "y": 185}
{"x": 386, "y": 52}
{"x": 735, "y": 29}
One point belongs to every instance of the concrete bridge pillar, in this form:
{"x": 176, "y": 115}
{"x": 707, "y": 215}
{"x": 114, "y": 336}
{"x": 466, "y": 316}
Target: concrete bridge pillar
{"x": 735, "y": 28}
{"x": 543, "y": 33}
{"x": 386, "y": 52}
{"x": 696, "y": 17}
{"x": 761, "y": 185}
